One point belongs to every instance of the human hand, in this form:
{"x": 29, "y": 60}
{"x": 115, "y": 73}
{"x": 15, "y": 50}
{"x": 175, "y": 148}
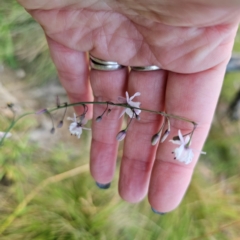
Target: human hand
{"x": 192, "y": 42}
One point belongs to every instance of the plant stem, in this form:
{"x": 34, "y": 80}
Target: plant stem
{"x": 13, "y": 123}
{"x": 127, "y": 106}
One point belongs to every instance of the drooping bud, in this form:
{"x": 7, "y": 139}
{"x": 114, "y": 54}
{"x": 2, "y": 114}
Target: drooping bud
{"x": 81, "y": 117}
{"x": 155, "y": 139}
{"x": 60, "y": 124}
{"x": 10, "y": 105}
{"x": 41, "y": 111}
{"x": 99, "y": 119}
{"x": 121, "y": 135}
{"x": 109, "y": 110}
{"x": 165, "y": 135}
{"x": 52, "y": 131}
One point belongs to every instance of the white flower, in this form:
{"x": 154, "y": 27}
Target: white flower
{"x": 129, "y": 101}
{"x": 76, "y": 126}
{"x": 183, "y": 153}
{"x": 7, "y": 135}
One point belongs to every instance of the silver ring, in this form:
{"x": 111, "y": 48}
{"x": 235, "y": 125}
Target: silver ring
{"x": 102, "y": 65}
{"x": 147, "y": 68}
{"x": 98, "y": 60}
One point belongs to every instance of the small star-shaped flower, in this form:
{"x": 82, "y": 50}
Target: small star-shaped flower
{"x": 132, "y": 113}
{"x": 76, "y": 126}
{"x": 183, "y": 153}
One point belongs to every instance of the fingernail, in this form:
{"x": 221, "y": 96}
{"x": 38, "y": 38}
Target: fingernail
{"x": 103, "y": 186}
{"x": 155, "y": 211}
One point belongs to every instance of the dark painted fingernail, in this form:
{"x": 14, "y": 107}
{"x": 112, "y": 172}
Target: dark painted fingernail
{"x": 103, "y": 186}
{"x": 155, "y": 211}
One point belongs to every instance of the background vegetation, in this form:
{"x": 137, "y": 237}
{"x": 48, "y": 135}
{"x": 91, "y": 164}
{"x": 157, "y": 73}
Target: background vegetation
{"x": 46, "y": 191}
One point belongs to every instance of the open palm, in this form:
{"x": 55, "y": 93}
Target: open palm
{"x": 191, "y": 42}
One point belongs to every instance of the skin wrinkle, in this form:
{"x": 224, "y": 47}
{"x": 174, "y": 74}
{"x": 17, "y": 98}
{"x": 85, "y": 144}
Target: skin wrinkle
{"x": 152, "y": 53}
{"x": 110, "y": 143}
{"x": 122, "y": 37}
{"x": 221, "y": 38}
{"x": 132, "y": 9}
{"x": 139, "y": 164}
{"x": 68, "y": 15}
{"x": 166, "y": 11}
{"x": 148, "y": 28}
{"x": 145, "y": 137}
{"x": 132, "y": 188}
{"x": 190, "y": 52}
{"x": 139, "y": 50}
{"x": 150, "y": 47}
{"x": 140, "y": 40}
{"x": 170, "y": 50}
{"x": 102, "y": 165}
{"x": 175, "y": 166}
{"x": 106, "y": 35}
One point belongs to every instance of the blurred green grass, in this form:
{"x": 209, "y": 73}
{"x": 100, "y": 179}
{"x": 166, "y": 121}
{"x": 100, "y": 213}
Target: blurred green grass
{"x": 74, "y": 208}
{"x": 33, "y": 55}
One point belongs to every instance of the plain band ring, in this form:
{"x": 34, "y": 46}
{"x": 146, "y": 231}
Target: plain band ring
{"x": 101, "y": 67}
{"x": 99, "y": 64}
{"x": 147, "y": 68}
{"x": 103, "y": 62}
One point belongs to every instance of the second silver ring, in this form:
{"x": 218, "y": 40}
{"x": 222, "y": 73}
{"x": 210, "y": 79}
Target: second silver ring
{"x": 145, "y": 68}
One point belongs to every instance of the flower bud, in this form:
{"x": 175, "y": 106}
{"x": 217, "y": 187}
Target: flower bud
{"x": 52, "y": 131}
{"x": 10, "y": 105}
{"x": 165, "y": 135}
{"x": 81, "y": 117}
{"x": 99, "y": 119}
{"x": 155, "y": 139}
{"x": 41, "y": 111}
{"x": 121, "y": 135}
{"x": 60, "y": 124}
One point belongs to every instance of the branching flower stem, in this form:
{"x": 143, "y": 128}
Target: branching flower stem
{"x": 164, "y": 114}
{"x": 127, "y": 106}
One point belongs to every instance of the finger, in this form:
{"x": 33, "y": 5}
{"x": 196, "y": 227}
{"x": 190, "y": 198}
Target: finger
{"x": 107, "y": 86}
{"x": 193, "y": 96}
{"x": 138, "y": 152}
{"x": 72, "y": 67}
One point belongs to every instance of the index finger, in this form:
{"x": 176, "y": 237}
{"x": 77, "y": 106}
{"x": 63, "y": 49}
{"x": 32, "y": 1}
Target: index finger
{"x": 73, "y": 72}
